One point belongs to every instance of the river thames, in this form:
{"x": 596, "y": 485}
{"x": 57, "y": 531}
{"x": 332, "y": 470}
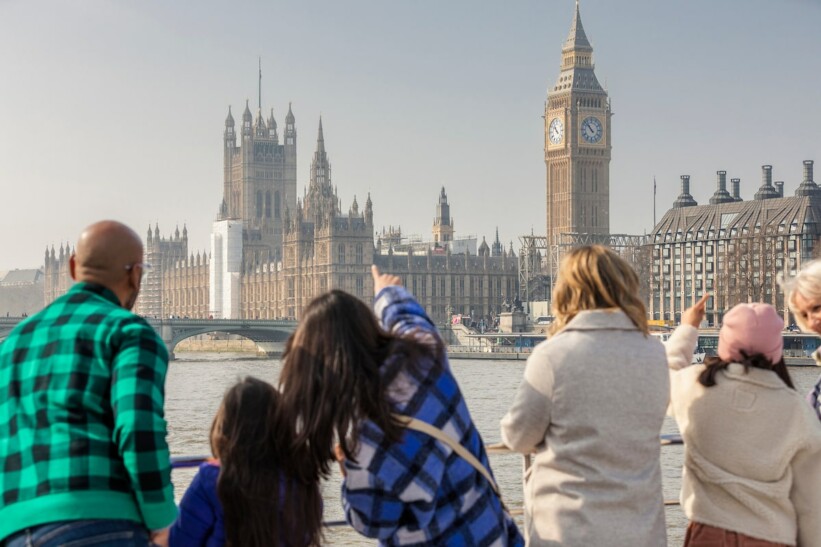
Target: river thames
{"x": 197, "y": 381}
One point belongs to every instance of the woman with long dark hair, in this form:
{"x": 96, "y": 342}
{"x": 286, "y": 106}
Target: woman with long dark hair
{"x": 249, "y": 495}
{"x": 367, "y": 386}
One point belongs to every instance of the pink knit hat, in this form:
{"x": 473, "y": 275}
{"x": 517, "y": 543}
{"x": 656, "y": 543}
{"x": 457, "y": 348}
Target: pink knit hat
{"x": 751, "y": 328}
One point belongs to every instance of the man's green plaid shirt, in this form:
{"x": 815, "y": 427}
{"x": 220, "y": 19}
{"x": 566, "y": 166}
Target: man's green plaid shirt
{"x": 82, "y": 432}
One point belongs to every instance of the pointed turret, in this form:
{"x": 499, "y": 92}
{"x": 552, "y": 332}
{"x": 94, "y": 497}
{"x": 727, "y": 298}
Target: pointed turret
{"x": 230, "y": 137}
{"x": 577, "y": 61}
{"x": 247, "y": 120}
{"x": 157, "y": 233}
{"x": 484, "y": 248}
{"x": 185, "y": 232}
{"x": 369, "y": 210}
{"x": 290, "y": 128}
{"x": 261, "y": 130}
{"x": 577, "y": 39}
{"x": 354, "y": 207}
{"x": 272, "y": 128}
{"x": 442, "y": 222}
{"x": 320, "y": 139}
{"x": 149, "y": 237}
{"x": 497, "y": 249}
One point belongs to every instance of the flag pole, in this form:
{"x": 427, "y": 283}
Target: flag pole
{"x": 654, "y": 201}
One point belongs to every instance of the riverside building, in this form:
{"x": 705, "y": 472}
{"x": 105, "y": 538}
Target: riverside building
{"x": 272, "y": 251}
{"x": 733, "y": 248}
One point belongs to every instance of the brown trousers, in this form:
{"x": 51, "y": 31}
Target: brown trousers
{"x": 702, "y": 535}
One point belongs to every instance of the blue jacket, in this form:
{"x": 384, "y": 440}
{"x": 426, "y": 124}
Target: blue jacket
{"x": 418, "y": 491}
{"x": 200, "y": 522}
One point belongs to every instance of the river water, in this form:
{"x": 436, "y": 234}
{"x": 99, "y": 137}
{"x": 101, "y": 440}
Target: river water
{"x": 197, "y": 381}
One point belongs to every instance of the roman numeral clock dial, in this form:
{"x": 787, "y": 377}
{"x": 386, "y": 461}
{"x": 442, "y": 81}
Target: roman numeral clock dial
{"x": 591, "y": 129}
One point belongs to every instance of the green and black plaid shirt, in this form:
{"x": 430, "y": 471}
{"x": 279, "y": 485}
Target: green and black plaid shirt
{"x": 82, "y": 433}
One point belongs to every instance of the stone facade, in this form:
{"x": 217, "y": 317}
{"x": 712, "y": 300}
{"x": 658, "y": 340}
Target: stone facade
{"x": 294, "y": 249}
{"x": 734, "y": 249}
{"x": 577, "y": 146}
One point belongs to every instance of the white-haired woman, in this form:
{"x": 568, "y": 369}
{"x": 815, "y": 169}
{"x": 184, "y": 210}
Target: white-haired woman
{"x": 804, "y": 299}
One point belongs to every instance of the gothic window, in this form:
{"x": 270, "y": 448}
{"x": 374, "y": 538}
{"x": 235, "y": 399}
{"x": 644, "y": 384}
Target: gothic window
{"x": 442, "y": 287}
{"x": 359, "y": 253}
{"x": 259, "y": 204}
{"x": 341, "y": 253}
{"x": 360, "y": 286}
{"x": 276, "y": 205}
{"x": 267, "y": 204}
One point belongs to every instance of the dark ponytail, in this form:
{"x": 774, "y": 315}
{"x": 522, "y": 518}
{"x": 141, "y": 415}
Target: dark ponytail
{"x": 714, "y": 364}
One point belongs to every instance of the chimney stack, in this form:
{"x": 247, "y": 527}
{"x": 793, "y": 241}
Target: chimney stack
{"x": 767, "y": 190}
{"x": 807, "y": 186}
{"x": 685, "y": 199}
{"x": 779, "y": 185}
{"x": 721, "y": 194}
{"x": 736, "y": 185}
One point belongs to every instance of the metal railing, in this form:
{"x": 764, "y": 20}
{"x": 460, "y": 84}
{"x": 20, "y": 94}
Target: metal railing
{"x": 183, "y": 462}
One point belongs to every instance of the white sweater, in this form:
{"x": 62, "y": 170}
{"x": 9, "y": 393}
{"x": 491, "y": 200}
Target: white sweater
{"x": 591, "y": 406}
{"x": 752, "y": 461}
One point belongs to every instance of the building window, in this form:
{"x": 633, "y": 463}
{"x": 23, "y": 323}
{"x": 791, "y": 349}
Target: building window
{"x": 259, "y": 204}
{"x": 340, "y": 253}
{"x": 360, "y": 286}
{"x": 276, "y": 205}
{"x": 267, "y": 204}
{"x": 359, "y": 253}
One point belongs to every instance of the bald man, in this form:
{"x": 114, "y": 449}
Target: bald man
{"x": 83, "y": 454}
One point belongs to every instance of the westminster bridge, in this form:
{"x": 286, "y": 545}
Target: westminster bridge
{"x": 268, "y": 334}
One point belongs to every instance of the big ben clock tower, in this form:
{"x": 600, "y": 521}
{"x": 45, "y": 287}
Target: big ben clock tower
{"x": 577, "y": 145}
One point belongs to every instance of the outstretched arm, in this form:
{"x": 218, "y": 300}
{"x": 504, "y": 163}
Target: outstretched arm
{"x": 682, "y": 343}
{"x": 398, "y": 311}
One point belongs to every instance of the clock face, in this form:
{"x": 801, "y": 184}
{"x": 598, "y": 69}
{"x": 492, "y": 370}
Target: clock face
{"x": 556, "y": 131}
{"x": 591, "y": 129}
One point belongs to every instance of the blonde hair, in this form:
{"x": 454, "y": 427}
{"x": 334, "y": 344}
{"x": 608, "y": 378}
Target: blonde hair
{"x": 808, "y": 283}
{"x": 593, "y": 278}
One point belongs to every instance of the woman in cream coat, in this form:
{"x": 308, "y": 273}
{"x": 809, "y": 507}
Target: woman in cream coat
{"x": 591, "y": 407}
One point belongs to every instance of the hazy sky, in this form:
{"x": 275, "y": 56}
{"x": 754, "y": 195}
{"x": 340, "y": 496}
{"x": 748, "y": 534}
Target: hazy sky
{"x": 115, "y": 109}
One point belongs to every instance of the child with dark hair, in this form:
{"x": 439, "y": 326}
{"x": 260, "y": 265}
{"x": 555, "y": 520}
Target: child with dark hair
{"x": 247, "y": 495}
{"x": 752, "y": 461}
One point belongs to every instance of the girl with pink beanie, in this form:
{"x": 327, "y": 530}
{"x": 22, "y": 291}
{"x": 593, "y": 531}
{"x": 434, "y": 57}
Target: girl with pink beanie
{"x": 752, "y": 461}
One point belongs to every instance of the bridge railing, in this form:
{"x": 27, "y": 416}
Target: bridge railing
{"x": 182, "y": 462}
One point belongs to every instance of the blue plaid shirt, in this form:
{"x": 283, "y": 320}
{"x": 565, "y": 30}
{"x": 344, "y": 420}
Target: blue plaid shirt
{"x": 418, "y": 491}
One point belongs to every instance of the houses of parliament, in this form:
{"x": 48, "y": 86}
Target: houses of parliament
{"x": 272, "y": 251}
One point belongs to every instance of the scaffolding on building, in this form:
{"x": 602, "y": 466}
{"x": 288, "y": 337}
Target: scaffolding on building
{"x": 539, "y": 262}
